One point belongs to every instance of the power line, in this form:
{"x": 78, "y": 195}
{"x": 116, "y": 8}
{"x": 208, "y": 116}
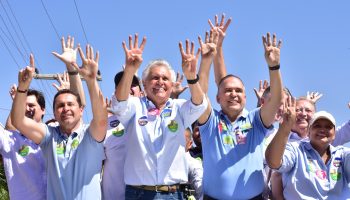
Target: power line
{"x": 8, "y": 50}
{"x": 14, "y": 44}
{"x": 47, "y": 14}
{"x": 81, "y": 22}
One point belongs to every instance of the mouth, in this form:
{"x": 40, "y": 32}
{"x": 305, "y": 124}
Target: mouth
{"x": 158, "y": 90}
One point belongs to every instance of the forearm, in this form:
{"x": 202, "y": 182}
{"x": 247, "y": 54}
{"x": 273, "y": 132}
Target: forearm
{"x": 219, "y": 65}
{"x": 76, "y": 86}
{"x": 123, "y": 90}
{"x": 203, "y": 73}
{"x": 197, "y": 94}
{"x": 275, "y": 149}
{"x": 99, "y": 110}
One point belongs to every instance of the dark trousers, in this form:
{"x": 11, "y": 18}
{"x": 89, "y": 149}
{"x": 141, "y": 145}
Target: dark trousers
{"x": 258, "y": 197}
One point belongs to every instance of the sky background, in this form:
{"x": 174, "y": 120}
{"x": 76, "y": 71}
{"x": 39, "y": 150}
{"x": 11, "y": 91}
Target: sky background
{"x": 315, "y": 54}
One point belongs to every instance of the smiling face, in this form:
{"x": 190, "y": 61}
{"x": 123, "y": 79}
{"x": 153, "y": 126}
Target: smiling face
{"x": 231, "y": 96}
{"x": 158, "y": 84}
{"x": 67, "y": 111}
{"x": 304, "y": 112}
{"x": 322, "y": 133}
{"x": 33, "y": 109}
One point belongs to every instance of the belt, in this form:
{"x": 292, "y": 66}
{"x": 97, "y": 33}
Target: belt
{"x": 158, "y": 188}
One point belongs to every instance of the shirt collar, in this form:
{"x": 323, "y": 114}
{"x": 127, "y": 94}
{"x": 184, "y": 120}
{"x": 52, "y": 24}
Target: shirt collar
{"x": 150, "y": 104}
{"x": 243, "y": 115}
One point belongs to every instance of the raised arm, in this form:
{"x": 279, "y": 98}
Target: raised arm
{"x": 272, "y": 57}
{"x": 314, "y": 96}
{"x": 63, "y": 81}
{"x": 28, "y": 127}
{"x": 219, "y": 61}
{"x": 9, "y": 125}
{"x": 89, "y": 68}
{"x": 133, "y": 60}
{"x": 69, "y": 57}
{"x": 208, "y": 50}
{"x": 259, "y": 92}
{"x": 275, "y": 149}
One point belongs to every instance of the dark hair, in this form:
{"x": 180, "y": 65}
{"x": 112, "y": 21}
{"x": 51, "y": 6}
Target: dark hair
{"x": 66, "y": 91}
{"x": 39, "y": 98}
{"x": 118, "y": 77}
{"x": 229, "y": 76}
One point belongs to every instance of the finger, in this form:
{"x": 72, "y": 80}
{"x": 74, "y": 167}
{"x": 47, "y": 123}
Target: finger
{"x": 56, "y": 86}
{"x": 198, "y": 53}
{"x": 181, "y": 49}
{"x": 279, "y": 45}
{"x": 136, "y": 42}
{"x": 192, "y": 48}
{"x": 81, "y": 53}
{"x": 274, "y": 40}
{"x": 200, "y": 41}
{"x": 222, "y": 19}
{"x": 211, "y": 24}
{"x": 227, "y": 24}
{"x": 266, "y": 84}
{"x": 187, "y": 47}
{"x": 211, "y": 36}
{"x": 72, "y": 43}
{"x": 63, "y": 43}
{"x": 143, "y": 43}
{"x": 181, "y": 78}
{"x": 97, "y": 58}
{"x": 59, "y": 78}
{"x": 216, "y": 20}
{"x": 124, "y": 47}
{"x": 207, "y": 36}
{"x": 91, "y": 51}
{"x": 260, "y": 85}
{"x": 264, "y": 42}
{"x": 177, "y": 76}
{"x": 268, "y": 39}
{"x": 57, "y": 55}
{"x": 130, "y": 41}
{"x": 31, "y": 61}
{"x": 68, "y": 42}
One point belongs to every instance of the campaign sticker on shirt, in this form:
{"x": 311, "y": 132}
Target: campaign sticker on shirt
{"x": 118, "y": 132}
{"x": 143, "y": 121}
{"x": 335, "y": 175}
{"x": 337, "y": 162}
{"x": 59, "y": 149}
{"x": 321, "y": 174}
{"x": 173, "y": 126}
{"x": 227, "y": 139}
{"x": 114, "y": 123}
{"x": 222, "y": 126}
{"x": 75, "y": 143}
{"x": 166, "y": 112}
{"x": 153, "y": 111}
{"x": 246, "y": 127}
{"x": 24, "y": 150}
{"x": 240, "y": 138}
{"x": 310, "y": 166}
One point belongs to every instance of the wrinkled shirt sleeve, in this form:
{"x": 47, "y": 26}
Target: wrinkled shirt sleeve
{"x": 124, "y": 110}
{"x": 190, "y": 112}
{"x": 288, "y": 159}
{"x": 342, "y": 134}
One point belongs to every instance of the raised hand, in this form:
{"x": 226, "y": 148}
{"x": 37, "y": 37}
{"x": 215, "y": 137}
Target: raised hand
{"x": 89, "y": 66}
{"x": 69, "y": 53}
{"x": 220, "y": 27}
{"x": 262, "y": 87}
{"x": 272, "y": 50}
{"x": 289, "y": 115}
{"x": 63, "y": 81}
{"x": 208, "y": 48}
{"x": 25, "y": 75}
{"x": 189, "y": 60}
{"x": 133, "y": 55}
{"x": 313, "y": 96}
{"x": 178, "y": 88}
{"x": 13, "y": 91}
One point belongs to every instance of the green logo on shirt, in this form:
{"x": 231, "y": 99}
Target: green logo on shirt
{"x": 24, "y": 150}
{"x": 227, "y": 139}
{"x": 173, "y": 126}
{"x": 59, "y": 149}
{"x": 118, "y": 132}
{"x": 75, "y": 143}
{"x": 335, "y": 175}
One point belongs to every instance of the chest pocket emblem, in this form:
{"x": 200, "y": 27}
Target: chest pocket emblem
{"x": 24, "y": 150}
{"x": 173, "y": 126}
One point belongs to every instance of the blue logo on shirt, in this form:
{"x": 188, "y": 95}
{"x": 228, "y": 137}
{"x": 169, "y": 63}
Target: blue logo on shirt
{"x": 143, "y": 121}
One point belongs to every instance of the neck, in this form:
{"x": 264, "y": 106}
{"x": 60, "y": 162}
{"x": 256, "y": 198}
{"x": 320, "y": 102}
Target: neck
{"x": 324, "y": 152}
{"x": 232, "y": 116}
{"x": 70, "y": 129}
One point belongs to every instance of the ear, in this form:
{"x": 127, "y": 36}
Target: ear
{"x": 218, "y": 99}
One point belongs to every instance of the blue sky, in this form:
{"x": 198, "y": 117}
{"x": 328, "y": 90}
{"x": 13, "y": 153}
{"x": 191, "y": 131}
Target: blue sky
{"x": 315, "y": 54}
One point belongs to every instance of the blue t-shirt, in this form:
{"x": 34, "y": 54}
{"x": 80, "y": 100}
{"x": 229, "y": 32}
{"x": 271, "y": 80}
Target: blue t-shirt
{"x": 74, "y": 164}
{"x": 233, "y": 155}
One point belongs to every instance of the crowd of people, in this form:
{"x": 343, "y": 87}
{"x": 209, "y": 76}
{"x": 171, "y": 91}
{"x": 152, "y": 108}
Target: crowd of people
{"x": 145, "y": 142}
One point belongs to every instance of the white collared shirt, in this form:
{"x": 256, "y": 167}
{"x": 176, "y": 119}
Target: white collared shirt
{"x": 156, "y": 144}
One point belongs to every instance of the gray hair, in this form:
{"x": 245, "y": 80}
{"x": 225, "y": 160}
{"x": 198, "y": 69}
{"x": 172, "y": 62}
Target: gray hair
{"x": 158, "y": 62}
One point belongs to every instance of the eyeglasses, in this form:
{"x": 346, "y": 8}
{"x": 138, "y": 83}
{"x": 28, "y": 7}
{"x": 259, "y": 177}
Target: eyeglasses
{"x": 301, "y": 109}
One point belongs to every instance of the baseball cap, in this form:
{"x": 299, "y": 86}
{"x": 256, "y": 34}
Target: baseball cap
{"x": 322, "y": 115}
{"x": 119, "y": 75}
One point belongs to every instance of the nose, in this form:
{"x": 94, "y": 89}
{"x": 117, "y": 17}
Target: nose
{"x": 160, "y": 81}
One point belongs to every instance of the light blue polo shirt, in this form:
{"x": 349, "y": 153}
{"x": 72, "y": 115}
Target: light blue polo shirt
{"x": 233, "y": 155}
{"x": 305, "y": 176}
{"x": 74, "y": 164}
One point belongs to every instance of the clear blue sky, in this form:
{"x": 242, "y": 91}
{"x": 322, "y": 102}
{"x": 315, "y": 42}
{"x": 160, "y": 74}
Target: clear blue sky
{"x": 315, "y": 55}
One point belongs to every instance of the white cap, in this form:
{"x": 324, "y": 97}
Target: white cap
{"x": 322, "y": 115}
